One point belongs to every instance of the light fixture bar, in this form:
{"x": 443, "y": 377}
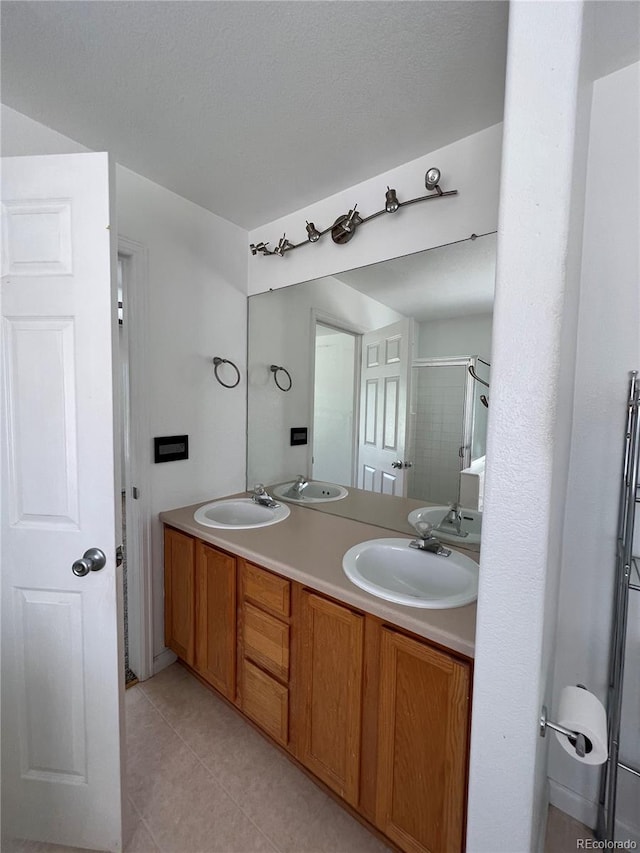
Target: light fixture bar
{"x": 345, "y": 226}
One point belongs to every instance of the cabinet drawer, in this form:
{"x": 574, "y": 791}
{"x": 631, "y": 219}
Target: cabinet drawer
{"x": 265, "y": 701}
{"x": 266, "y": 641}
{"x": 268, "y": 591}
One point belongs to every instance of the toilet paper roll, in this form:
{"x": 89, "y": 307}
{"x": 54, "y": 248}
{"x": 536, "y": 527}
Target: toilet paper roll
{"x": 583, "y": 712}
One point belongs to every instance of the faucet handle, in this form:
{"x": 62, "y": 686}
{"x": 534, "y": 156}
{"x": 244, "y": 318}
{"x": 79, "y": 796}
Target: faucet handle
{"x": 424, "y": 529}
{"x": 259, "y": 489}
{"x": 301, "y": 479}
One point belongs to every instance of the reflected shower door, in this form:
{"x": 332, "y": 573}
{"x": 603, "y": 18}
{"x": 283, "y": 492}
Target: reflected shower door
{"x": 439, "y": 429}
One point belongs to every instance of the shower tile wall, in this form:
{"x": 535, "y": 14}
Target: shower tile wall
{"x": 437, "y": 432}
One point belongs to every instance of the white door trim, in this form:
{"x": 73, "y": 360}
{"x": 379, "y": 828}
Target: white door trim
{"x": 138, "y": 520}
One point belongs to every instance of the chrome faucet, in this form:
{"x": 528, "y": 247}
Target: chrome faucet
{"x": 426, "y": 541}
{"x": 262, "y": 497}
{"x": 296, "y": 490}
{"x": 453, "y": 517}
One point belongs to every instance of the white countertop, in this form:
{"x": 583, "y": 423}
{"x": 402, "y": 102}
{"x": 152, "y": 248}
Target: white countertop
{"x": 307, "y": 547}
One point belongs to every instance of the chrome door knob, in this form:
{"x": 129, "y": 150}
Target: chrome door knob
{"x": 396, "y": 464}
{"x": 92, "y": 561}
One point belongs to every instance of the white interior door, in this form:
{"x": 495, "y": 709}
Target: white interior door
{"x": 61, "y": 660}
{"x": 386, "y": 358}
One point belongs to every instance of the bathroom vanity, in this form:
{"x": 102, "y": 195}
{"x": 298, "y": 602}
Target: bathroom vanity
{"x": 371, "y": 698}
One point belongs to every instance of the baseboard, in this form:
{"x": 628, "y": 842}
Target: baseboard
{"x": 573, "y": 804}
{"x": 625, "y": 832}
{"x": 163, "y": 660}
{"x": 586, "y": 811}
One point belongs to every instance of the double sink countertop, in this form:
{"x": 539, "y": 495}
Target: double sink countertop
{"x": 308, "y": 547}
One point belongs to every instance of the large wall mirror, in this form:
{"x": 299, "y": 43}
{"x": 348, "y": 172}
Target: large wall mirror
{"x": 377, "y": 360}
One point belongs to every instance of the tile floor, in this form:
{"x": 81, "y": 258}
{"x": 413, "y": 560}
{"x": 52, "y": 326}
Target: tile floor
{"x": 200, "y": 780}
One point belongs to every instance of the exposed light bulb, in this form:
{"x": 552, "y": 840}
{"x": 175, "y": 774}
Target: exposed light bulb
{"x": 391, "y": 201}
{"x": 353, "y": 219}
{"x": 312, "y": 233}
{"x": 432, "y": 178}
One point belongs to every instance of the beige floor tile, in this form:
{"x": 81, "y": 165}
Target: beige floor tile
{"x": 308, "y": 821}
{"x": 14, "y": 845}
{"x": 290, "y": 809}
{"x": 138, "y": 839}
{"x": 173, "y": 690}
{"x": 563, "y": 832}
{"x": 191, "y": 813}
{"x": 236, "y": 754}
{"x": 157, "y": 759}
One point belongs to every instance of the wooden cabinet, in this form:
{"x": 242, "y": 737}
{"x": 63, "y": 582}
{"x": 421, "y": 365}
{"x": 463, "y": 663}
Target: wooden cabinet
{"x": 331, "y": 662}
{"x": 422, "y": 745}
{"x": 270, "y": 592}
{"x": 264, "y": 640}
{"x": 380, "y": 717}
{"x": 179, "y": 594}
{"x": 266, "y": 701}
{"x": 215, "y": 644}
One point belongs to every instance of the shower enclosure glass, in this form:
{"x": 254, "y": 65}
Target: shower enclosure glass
{"x": 441, "y": 431}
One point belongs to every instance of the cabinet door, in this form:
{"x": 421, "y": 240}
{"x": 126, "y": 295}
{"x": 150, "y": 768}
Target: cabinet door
{"x": 330, "y": 676}
{"x": 179, "y": 593}
{"x": 422, "y": 746}
{"x": 216, "y": 619}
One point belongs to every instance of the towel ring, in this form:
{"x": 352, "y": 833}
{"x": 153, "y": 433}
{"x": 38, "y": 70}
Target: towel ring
{"x": 274, "y": 370}
{"x": 217, "y": 361}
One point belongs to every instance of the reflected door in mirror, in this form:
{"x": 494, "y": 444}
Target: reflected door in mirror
{"x": 386, "y": 357}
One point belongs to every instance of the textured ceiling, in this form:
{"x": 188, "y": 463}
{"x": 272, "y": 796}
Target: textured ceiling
{"x": 256, "y": 109}
{"x": 451, "y": 281}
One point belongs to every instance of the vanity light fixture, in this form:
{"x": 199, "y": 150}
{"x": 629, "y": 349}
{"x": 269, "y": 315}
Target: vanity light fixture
{"x": 283, "y": 245}
{"x": 312, "y": 232}
{"x": 345, "y": 226}
{"x": 432, "y": 179}
{"x": 391, "y": 201}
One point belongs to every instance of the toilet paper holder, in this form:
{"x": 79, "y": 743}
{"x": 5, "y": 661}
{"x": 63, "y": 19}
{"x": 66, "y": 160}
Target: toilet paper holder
{"x": 581, "y": 744}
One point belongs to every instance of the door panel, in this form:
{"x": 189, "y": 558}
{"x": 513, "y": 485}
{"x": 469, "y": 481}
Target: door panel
{"x": 422, "y": 745}
{"x": 179, "y": 594}
{"x": 389, "y": 484}
{"x": 41, "y": 381}
{"x": 384, "y": 398}
{"x": 216, "y": 618}
{"x": 40, "y": 615}
{"x": 332, "y": 664}
{"x": 61, "y": 663}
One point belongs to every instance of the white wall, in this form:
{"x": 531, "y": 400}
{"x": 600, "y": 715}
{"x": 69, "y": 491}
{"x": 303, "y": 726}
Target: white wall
{"x": 334, "y": 407}
{"x": 533, "y": 360}
{"x": 608, "y": 347}
{"x": 470, "y": 165}
{"x": 197, "y": 309}
{"x": 197, "y": 271}
{"x": 456, "y": 336}
{"x": 280, "y": 331}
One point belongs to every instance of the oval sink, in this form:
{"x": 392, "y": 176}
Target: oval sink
{"x": 470, "y": 527}
{"x": 392, "y": 570}
{"x": 239, "y": 514}
{"x": 314, "y": 492}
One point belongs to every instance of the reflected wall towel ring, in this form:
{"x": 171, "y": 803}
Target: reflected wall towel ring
{"x": 217, "y": 361}
{"x": 275, "y": 369}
